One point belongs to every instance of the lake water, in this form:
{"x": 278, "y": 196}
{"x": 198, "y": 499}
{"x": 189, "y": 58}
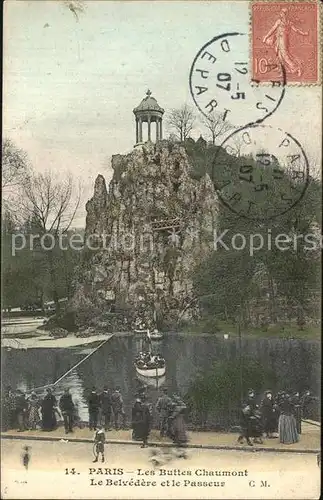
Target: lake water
{"x": 296, "y": 363}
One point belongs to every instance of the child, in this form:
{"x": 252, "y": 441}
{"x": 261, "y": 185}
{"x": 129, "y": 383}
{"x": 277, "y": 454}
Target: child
{"x": 99, "y": 440}
{"x": 26, "y": 457}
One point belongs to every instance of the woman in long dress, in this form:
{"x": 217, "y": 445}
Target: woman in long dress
{"x": 178, "y": 426}
{"x": 48, "y": 409}
{"x": 279, "y": 37}
{"x": 287, "y": 428}
{"x": 268, "y": 414}
{"x": 33, "y": 407}
{"x": 141, "y": 421}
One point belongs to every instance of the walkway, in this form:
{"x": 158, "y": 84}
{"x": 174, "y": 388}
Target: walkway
{"x": 309, "y": 439}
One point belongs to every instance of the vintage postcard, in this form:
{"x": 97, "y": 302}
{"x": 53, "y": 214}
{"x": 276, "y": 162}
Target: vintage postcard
{"x": 161, "y": 249}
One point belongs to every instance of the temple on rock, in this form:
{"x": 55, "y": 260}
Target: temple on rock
{"x": 156, "y": 222}
{"x": 149, "y": 112}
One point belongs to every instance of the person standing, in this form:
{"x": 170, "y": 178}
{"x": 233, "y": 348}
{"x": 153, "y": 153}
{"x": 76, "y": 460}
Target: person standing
{"x": 106, "y": 407}
{"x": 26, "y": 457}
{"x": 141, "y": 421}
{"x": 117, "y": 407}
{"x": 305, "y": 402}
{"x": 178, "y": 425}
{"x": 163, "y": 407}
{"x": 94, "y": 407}
{"x": 296, "y": 401}
{"x": 136, "y": 419}
{"x": 66, "y": 406}
{"x": 48, "y": 409}
{"x": 8, "y": 415}
{"x": 21, "y": 409}
{"x": 268, "y": 414}
{"x": 99, "y": 441}
{"x": 287, "y": 428}
{"x": 247, "y": 418}
{"x": 33, "y": 411}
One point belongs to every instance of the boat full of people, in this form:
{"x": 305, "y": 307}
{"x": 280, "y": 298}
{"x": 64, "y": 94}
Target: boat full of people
{"x": 152, "y": 336}
{"x": 156, "y": 335}
{"x": 150, "y": 365}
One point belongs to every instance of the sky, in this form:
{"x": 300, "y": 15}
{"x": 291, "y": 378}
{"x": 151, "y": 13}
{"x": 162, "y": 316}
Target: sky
{"x": 70, "y": 84}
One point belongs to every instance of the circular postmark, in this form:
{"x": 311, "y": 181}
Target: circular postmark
{"x": 220, "y": 83}
{"x": 260, "y": 172}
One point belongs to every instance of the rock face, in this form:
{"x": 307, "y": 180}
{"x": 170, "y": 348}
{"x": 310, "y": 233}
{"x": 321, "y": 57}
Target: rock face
{"x": 149, "y": 230}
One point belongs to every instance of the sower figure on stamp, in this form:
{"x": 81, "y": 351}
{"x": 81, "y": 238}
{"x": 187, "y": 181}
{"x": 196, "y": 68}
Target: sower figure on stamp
{"x": 94, "y": 406}
{"x": 99, "y": 440}
{"x": 118, "y": 410}
{"x": 106, "y": 407}
{"x": 66, "y": 406}
{"x": 279, "y": 37}
{"x": 163, "y": 407}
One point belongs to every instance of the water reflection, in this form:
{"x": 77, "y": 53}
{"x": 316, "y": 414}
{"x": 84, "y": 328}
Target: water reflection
{"x": 185, "y": 356}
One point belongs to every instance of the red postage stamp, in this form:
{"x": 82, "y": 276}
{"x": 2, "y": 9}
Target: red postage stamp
{"x": 285, "y": 35}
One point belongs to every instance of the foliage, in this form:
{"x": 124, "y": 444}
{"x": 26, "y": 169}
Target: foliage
{"x": 268, "y": 285}
{"x": 15, "y": 168}
{"x": 220, "y": 387}
{"x": 26, "y": 274}
{"x": 14, "y": 164}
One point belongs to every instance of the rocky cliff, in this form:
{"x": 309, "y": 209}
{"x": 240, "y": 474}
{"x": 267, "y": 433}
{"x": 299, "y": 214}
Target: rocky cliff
{"x": 147, "y": 232}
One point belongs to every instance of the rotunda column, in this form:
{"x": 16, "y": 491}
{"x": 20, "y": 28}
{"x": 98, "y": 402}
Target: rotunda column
{"x": 157, "y": 129}
{"x": 140, "y": 129}
{"x": 137, "y": 131}
{"x": 149, "y": 135}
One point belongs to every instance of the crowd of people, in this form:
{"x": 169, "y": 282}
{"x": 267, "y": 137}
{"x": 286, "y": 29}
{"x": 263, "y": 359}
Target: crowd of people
{"x": 146, "y": 360}
{"x": 32, "y": 412}
{"x": 171, "y": 412}
{"x": 271, "y": 416}
{"x": 23, "y": 412}
{"x": 279, "y": 414}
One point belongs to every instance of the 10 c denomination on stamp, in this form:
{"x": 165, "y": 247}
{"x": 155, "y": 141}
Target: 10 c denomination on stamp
{"x": 285, "y": 34}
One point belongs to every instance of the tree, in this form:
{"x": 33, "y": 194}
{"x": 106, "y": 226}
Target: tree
{"x": 51, "y": 205}
{"x": 217, "y": 391}
{"x": 215, "y": 125}
{"x": 182, "y": 120}
{"x": 50, "y": 202}
{"x": 269, "y": 284}
{"x": 15, "y": 167}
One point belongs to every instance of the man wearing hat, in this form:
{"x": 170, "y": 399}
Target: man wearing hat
{"x": 247, "y": 414}
{"x": 163, "y": 407}
{"x": 268, "y": 414}
{"x": 94, "y": 406}
{"x": 21, "y": 408}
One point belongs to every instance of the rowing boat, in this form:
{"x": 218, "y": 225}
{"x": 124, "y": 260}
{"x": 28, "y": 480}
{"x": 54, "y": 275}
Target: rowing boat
{"x": 151, "y": 372}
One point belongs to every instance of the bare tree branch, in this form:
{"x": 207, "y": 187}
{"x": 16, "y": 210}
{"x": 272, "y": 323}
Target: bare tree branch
{"x": 215, "y": 125}
{"x": 15, "y": 168}
{"x": 182, "y": 121}
{"x": 15, "y": 164}
{"x": 52, "y": 203}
